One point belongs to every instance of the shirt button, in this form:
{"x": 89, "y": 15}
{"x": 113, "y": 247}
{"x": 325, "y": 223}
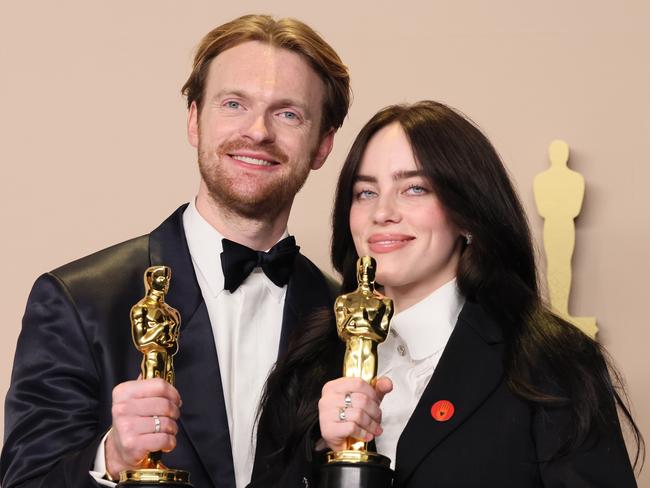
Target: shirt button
{"x": 401, "y": 349}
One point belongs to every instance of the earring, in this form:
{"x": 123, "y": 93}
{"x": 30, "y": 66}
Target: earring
{"x": 468, "y": 238}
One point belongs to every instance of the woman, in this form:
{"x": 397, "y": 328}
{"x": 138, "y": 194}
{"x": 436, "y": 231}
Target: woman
{"x": 489, "y": 387}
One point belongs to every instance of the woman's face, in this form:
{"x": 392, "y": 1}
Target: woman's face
{"x": 397, "y": 219}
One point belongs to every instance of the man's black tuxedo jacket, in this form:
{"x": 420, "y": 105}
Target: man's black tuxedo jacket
{"x": 76, "y": 345}
{"x": 494, "y": 438}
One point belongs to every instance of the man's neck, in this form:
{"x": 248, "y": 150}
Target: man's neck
{"x": 258, "y": 234}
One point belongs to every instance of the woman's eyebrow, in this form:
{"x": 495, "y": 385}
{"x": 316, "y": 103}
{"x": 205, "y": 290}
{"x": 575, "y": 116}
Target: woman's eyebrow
{"x": 397, "y": 175}
{"x": 366, "y": 178}
{"x": 403, "y": 175}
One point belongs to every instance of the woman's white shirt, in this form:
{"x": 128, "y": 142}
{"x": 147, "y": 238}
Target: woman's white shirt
{"x": 409, "y": 357}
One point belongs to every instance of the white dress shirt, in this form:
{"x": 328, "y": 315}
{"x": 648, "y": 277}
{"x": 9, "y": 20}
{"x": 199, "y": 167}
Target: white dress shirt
{"x": 409, "y": 356}
{"x": 246, "y": 325}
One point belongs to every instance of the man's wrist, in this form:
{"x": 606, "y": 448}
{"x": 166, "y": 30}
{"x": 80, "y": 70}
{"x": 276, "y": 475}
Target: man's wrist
{"x": 100, "y": 472}
{"x": 101, "y": 467}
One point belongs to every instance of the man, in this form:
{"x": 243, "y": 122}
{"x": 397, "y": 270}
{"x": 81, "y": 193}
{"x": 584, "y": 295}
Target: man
{"x": 265, "y": 98}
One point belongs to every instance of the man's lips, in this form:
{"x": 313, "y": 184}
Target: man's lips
{"x": 382, "y": 243}
{"x": 259, "y": 160}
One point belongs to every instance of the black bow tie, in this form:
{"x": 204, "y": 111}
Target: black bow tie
{"x": 238, "y": 261}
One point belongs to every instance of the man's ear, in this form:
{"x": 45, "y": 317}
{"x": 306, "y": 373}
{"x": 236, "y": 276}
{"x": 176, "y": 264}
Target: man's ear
{"x": 193, "y": 125}
{"x": 324, "y": 149}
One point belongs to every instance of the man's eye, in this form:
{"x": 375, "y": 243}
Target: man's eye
{"x": 232, "y": 104}
{"x": 289, "y": 115}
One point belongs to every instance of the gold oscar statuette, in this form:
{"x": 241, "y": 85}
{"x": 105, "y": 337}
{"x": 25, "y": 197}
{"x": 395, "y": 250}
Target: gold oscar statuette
{"x": 155, "y": 328}
{"x": 362, "y": 321}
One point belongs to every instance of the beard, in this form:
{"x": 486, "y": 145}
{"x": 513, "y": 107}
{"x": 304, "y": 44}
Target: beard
{"x": 259, "y": 197}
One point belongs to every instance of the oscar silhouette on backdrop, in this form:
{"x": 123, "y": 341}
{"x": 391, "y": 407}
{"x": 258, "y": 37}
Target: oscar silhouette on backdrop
{"x": 559, "y": 192}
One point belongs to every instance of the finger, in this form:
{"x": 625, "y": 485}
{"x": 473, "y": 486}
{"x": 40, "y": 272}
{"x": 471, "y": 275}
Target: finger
{"x": 348, "y": 385}
{"x": 132, "y": 449}
{"x": 336, "y": 434}
{"x": 157, "y": 442}
{"x": 144, "y": 407}
{"x": 365, "y": 404}
{"x": 383, "y": 386}
{"x": 148, "y": 407}
{"x": 155, "y": 387}
{"x": 362, "y": 420}
{"x": 333, "y": 401}
{"x": 131, "y": 427}
{"x": 147, "y": 425}
{"x": 167, "y": 426}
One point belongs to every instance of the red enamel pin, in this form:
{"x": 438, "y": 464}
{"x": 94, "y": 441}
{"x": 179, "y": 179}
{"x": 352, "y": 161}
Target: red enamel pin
{"x": 442, "y": 410}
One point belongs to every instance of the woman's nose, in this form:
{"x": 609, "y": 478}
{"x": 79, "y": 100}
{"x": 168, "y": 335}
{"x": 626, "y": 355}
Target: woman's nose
{"x": 386, "y": 210}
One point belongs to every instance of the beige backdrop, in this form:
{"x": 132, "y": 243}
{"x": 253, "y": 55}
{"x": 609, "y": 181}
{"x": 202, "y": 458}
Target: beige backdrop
{"x": 91, "y": 109}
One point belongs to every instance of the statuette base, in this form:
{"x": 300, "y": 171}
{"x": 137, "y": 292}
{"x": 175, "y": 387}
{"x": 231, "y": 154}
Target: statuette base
{"x": 356, "y": 474}
{"x": 153, "y": 477}
{"x": 352, "y": 457}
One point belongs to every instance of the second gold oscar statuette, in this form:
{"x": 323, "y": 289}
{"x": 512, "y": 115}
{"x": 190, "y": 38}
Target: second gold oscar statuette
{"x": 362, "y": 321}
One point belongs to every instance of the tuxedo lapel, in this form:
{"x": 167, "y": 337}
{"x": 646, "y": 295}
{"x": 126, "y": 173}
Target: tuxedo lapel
{"x": 469, "y": 370}
{"x": 168, "y": 246}
{"x": 307, "y": 291}
{"x": 203, "y": 415}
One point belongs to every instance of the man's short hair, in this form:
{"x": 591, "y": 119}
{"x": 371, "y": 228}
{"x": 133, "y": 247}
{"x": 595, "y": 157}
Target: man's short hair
{"x": 290, "y": 34}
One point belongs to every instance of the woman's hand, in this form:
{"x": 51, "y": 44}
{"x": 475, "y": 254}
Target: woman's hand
{"x": 358, "y": 417}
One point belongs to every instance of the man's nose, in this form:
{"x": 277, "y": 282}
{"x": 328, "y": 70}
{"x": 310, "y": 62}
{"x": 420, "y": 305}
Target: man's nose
{"x": 258, "y": 129}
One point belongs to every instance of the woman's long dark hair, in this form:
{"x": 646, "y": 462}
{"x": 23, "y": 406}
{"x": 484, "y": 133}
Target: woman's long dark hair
{"x": 549, "y": 362}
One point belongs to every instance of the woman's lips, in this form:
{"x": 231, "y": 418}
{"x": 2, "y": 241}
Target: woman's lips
{"x": 383, "y": 243}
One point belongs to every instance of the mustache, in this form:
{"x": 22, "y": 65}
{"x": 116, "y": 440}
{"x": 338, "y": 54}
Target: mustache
{"x": 270, "y": 149}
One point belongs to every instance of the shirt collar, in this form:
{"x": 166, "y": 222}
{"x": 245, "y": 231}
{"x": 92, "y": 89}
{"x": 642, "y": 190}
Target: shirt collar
{"x": 426, "y": 326}
{"x": 205, "y": 246}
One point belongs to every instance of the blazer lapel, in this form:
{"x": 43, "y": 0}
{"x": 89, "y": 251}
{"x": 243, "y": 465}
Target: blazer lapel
{"x": 306, "y": 292}
{"x": 203, "y": 416}
{"x": 469, "y": 370}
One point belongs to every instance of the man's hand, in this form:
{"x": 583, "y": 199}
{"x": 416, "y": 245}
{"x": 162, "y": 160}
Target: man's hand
{"x": 362, "y": 416}
{"x": 133, "y": 434}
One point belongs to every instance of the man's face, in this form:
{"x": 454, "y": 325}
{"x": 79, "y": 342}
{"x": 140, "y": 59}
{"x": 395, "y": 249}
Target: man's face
{"x": 258, "y": 131}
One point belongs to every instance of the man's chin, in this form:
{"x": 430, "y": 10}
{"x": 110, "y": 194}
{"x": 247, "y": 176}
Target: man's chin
{"x": 256, "y": 207}
{"x": 253, "y": 198}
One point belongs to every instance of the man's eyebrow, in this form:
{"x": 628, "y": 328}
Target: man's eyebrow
{"x": 292, "y": 102}
{"x": 230, "y": 92}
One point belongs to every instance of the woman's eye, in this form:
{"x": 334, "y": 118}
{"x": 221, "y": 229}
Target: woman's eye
{"x": 364, "y": 194}
{"x": 416, "y": 190}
